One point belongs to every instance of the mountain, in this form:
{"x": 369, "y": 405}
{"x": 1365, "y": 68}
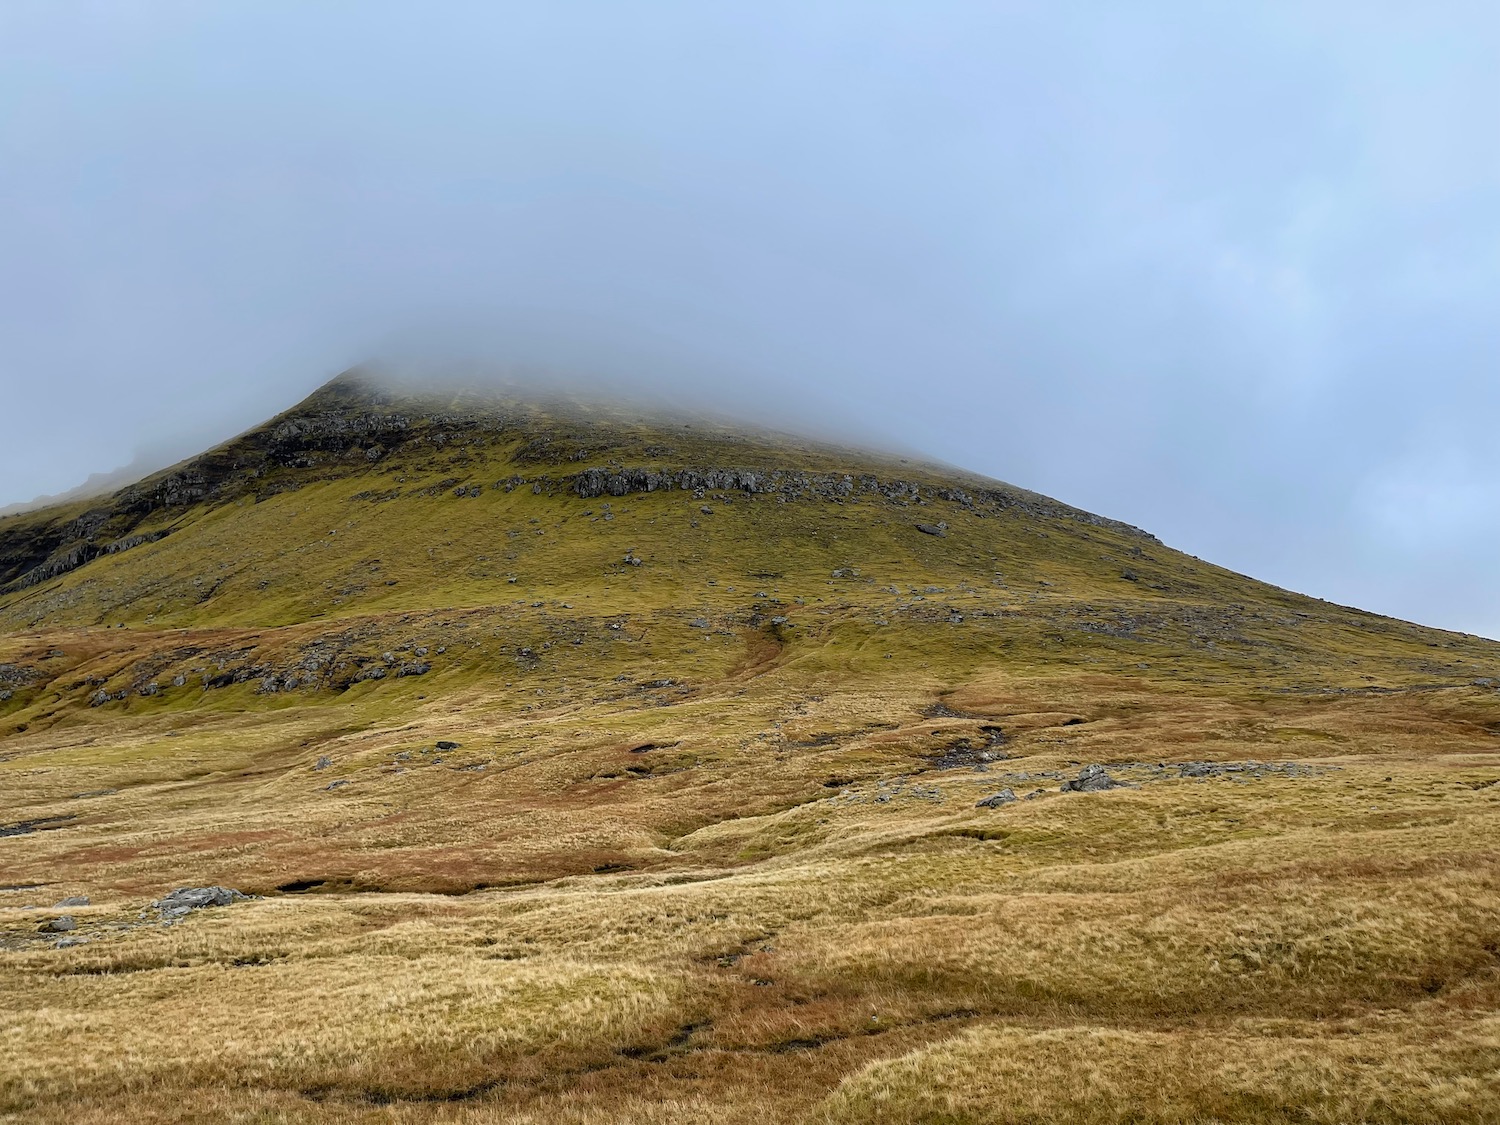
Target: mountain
{"x": 98, "y": 484}
{"x": 592, "y": 763}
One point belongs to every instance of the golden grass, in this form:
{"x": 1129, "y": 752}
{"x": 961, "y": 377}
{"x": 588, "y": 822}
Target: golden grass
{"x": 704, "y": 867}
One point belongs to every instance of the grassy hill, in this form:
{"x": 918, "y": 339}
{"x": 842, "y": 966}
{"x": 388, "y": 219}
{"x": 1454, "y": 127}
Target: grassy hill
{"x": 596, "y": 765}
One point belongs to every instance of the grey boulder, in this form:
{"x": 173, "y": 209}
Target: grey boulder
{"x": 184, "y": 899}
{"x": 995, "y": 800}
{"x": 1092, "y": 779}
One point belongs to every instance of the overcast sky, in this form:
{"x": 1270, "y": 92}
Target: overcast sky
{"x": 1228, "y": 271}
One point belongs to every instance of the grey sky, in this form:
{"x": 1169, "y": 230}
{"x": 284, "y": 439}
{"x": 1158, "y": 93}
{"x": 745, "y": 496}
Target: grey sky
{"x": 1228, "y": 271}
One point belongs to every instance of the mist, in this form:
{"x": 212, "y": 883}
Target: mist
{"x": 1228, "y": 273}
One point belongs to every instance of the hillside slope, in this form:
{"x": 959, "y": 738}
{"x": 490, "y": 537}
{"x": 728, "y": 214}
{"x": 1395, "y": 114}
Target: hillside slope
{"x": 597, "y": 765}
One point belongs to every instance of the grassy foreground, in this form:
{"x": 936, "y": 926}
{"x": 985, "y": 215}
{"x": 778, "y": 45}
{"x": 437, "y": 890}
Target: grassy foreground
{"x": 701, "y": 843}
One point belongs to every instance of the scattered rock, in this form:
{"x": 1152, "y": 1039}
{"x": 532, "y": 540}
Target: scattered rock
{"x": 72, "y": 900}
{"x": 995, "y": 800}
{"x": 59, "y": 925}
{"x": 444, "y": 744}
{"x": 631, "y": 559}
{"x": 420, "y": 668}
{"x": 323, "y": 763}
{"x": 1200, "y": 769}
{"x": 339, "y": 784}
{"x": 1092, "y": 779}
{"x": 939, "y": 529}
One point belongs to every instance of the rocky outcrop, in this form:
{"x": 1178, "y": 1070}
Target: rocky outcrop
{"x": 793, "y": 484}
{"x": 74, "y": 557}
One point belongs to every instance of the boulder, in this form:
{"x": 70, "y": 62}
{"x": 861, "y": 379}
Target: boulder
{"x": 1091, "y": 779}
{"x": 184, "y": 899}
{"x": 59, "y": 925}
{"x": 932, "y": 529}
{"x": 72, "y": 900}
{"x": 995, "y": 800}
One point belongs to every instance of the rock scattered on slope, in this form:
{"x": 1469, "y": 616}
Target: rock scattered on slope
{"x": 72, "y": 900}
{"x": 933, "y": 528}
{"x": 1092, "y": 779}
{"x": 323, "y": 763}
{"x": 59, "y": 925}
{"x": 186, "y": 899}
{"x": 995, "y": 800}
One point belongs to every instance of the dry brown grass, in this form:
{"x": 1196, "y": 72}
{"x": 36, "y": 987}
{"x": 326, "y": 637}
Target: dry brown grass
{"x": 1310, "y": 948}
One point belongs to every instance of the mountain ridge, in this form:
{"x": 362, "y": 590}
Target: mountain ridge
{"x": 358, "y": 416}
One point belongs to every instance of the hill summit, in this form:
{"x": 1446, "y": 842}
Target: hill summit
{"x": 553, "y": 758}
